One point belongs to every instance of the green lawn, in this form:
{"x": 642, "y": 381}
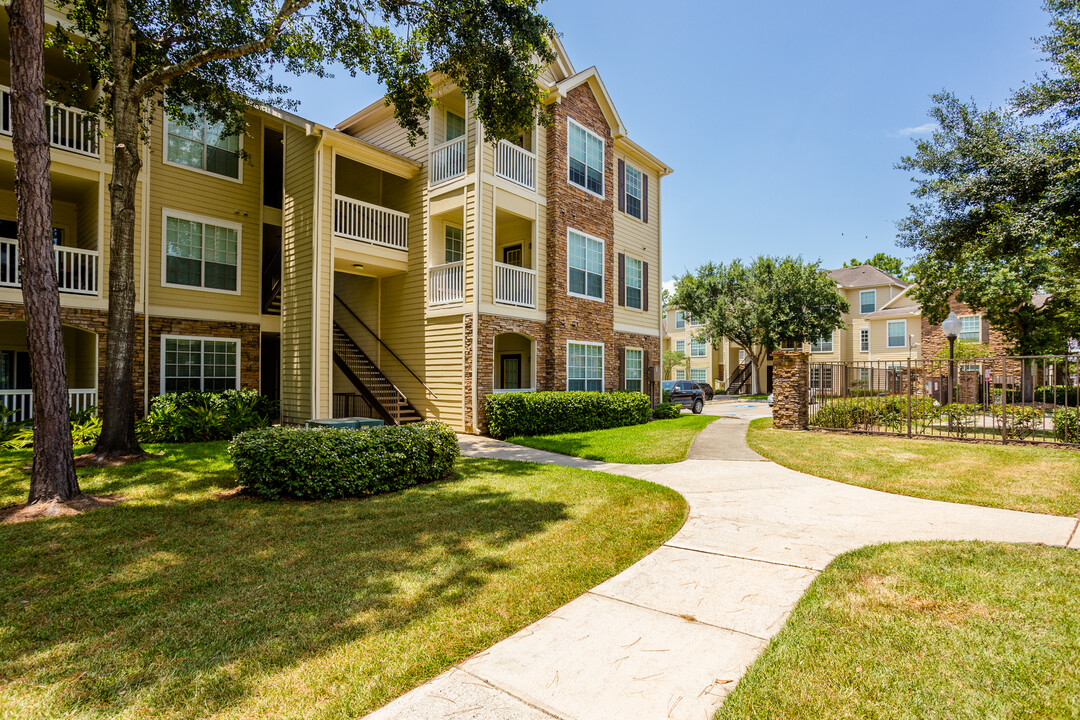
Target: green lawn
{"x": 1018, "y": 477}
{"x": 926, "y": 630}
{"x": 187, "y": 602}
{"x": 659, "y": 441}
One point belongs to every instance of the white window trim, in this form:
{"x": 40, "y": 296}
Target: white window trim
{"x": 979, "y": 331}
{"x": 603, "y": 159}
{"x": 166, "y": 213}
{"x": 680, "y": 371}
{"x": 832, "y": 345}
{"x": 677, "y": 343}
{"x": 457, "y": 226}
{"x": 603, "y": 266}
{"x": 860, "y": 301}
{"x": 640, "y": 288}
{"x": 703, "y": 380}
{"x": 704, "y": 345}
{"x": 626, "y": 366}
{"x": 603, "y": 361}
{"x": 677, "y": 314}
{"x": 203, "y": 338}
{"x": 888, "y": 335}
{"x": 239, "y": 179}
{"x": 867, "y": 348}
{"x": 628, "y": 166}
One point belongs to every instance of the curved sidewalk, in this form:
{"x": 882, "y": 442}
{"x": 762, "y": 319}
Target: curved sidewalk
{"x": 669, "y": 636}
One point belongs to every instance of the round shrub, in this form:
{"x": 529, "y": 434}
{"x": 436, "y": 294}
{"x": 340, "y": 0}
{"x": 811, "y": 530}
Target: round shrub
{"x": 667, "y": 411}
{"x": 204, "y": 416}
{"x": 326, "y": 463}
{"x": 547, "y": 413}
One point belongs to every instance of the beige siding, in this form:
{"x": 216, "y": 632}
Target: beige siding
{"x": 640, "y": 240}
{"x": 388, "y": 135}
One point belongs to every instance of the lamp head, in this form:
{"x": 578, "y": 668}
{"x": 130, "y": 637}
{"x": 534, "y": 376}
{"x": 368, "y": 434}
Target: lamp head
{"x": 952, "y": 326}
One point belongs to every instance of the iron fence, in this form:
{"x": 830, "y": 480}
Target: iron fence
{"x": 1018, "y": 399}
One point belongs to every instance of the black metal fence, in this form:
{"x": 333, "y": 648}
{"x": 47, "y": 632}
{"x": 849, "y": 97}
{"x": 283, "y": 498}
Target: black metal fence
{"x": 1021, "y": 399}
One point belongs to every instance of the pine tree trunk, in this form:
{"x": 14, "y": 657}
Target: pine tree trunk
{"x": 118, "y": 408}
{"x": 53, "y": 474}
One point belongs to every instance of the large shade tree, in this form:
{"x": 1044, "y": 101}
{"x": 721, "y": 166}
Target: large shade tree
{"x": 763, "y": 305}
{"x": 212, "y": 58}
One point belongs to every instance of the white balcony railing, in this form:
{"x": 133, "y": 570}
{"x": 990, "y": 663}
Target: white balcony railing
{"x": 515, "y": 285}
{"x": 448, "y": 161}
{"x": 21, "y": 402}
{"x": 76, "y": 269}
{"x": 447, "y": 283}
{"x": 515, "y": 164}
{"x": 358, "y": 220}
{"x": 69, "y": 128}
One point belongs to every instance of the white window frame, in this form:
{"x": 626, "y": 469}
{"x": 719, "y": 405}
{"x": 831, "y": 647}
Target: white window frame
{"x": 863, "y": 292}
{"x": 602, "y": 362}
{"x": 692, "y": 322}
{"x": 603, "y": 157}
{"x": 889, "y": 336}
{"x": 640, "y": 287}
{"x": 824, "y": 379}
{"x": 978, "y": 330}
{"x": 680, "y": 374}
{"x": 627, "y": 167}
{"x": 447, "y": 226}
{"x": 239, "y": 179}
{"x": 864, "y": 340}
{"x": 167, "y": 213}
{"x": 680, "y": 319}
{"x": 640, "y": 379}
{"x": 704, "y": 375}
{"x": 832, "y": 344}
{"x": 680, "y": 346}
{"x": 201, "y": 338}
{"x": 603, "y": 267}
{"x": 704, "y": 348}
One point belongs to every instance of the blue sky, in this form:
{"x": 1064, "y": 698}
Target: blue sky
{"x": 783, "y": 120}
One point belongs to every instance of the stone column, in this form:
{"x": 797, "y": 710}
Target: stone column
{"x": 791, "y": 397}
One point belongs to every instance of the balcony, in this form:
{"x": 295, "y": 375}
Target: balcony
{"x": 515, "y": 164}
{"x": 515, "y": 285}
{"x": 448, "y": 161}
{"x": 21, "y": 402}
{"x": 358, "y": 220}
{"x": 447, "y": 283}
{"x": 76, "y": 269}
{"x": 69, "y": 128}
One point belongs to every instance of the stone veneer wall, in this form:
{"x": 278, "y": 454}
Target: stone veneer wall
{"x": 791, "y": 382}
{"x": 247, "y": 333}
{"x": 933, "y": 340}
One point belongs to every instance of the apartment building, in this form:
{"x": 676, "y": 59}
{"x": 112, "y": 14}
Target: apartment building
{"x": 347, "y": 272}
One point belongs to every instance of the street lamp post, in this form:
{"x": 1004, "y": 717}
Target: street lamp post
{"x": 951, "y": 327}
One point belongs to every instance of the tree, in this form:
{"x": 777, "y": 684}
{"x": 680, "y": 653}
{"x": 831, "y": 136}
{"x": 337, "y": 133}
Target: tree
{"x": 673, "y": 359}
{"x": 762, "y": 305}
{"x": 215, "y": 59}
{"x": 889, "y": 264}
{"x": 52, "y": 477}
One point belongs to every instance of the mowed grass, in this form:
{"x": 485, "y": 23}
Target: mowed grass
{"x": 926, "y": 630}
{"x": 182, "y": 602}
{"x": 1017, "y": 477}
{"x": 659, "y": 441}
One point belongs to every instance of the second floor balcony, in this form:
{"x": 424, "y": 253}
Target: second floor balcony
{"x": 359, "y": 220}
{"x": 69, "y": 128}
{"x": 77, "y": 270}
{"x": 516, "y": 164}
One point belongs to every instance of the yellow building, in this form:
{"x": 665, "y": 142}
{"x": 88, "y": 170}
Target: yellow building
{"x": 347, "y": 272}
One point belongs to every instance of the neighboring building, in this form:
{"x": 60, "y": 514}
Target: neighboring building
{"x": 704, "y": 363}
{"x": 346, "y": 272}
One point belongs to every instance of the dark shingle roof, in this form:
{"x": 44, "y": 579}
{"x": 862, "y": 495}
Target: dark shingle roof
{"x": 863, "y": 276}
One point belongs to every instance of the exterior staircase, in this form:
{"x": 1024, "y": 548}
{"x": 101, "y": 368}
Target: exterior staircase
{"x": 738, "y": 379}
{"x": 381, "y": 394}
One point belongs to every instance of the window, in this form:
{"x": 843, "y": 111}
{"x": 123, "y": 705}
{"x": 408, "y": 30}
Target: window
{"x": 697, "y": 348}
{"x": 586, "y": 266}
{"x": 633, "y": 283}
{"x": 680, "y": 346}
{"x": 867, "y": 301}
{"x": 201, "y": 254}
{"x": 455, "y": 126}
{"x": 699, "y": 374}
{"x": 455, "y": 247}
{"x": 203, "y": 146}
{"x": 693, "y": 323}
{"x": 864, "y": 374}
{"x": 824, "y": 344}
{"x": 821, "y": 377}
{"x": 680, "y": 374}
{"x": 586, "y": 161}
{"x": 742, "y": 356}
{"x": 971, "y": 328}
{"x": 633, "y": 191}
{"x": 864, "y": 340}
{"x": 585, "y": 366}
{"x": 897, "y": 333}
{"x": 14, "y": 370}
{"x": 633, "y": 369}
{"x": 680, "y": 319}
{"x": 204, "y": 364}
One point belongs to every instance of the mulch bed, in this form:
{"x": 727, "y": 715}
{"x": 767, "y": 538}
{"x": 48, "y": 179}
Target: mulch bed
{"x": 75, "y": 506}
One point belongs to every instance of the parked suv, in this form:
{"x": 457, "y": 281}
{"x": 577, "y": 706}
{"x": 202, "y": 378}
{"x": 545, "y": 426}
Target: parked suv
{"x": 707, "y": 389}
{"x": 687, "y": 394}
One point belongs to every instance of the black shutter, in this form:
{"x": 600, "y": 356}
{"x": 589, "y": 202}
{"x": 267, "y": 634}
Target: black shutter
{"x": 645, "y": 286}
{"x": 646, "y": 386}
{"x": 644, "y": 197}
{"x": 622, "y": 368}
{"x": 622, "y": 186}
{"x": 985, "y": 331}
{"x": 622, "y": 279}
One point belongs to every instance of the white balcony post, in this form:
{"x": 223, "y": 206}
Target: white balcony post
{"x": 68, "y": 128}
{"x": 515, "y": 164}
{"x": 76, "y": 269}
{"x": 448, "y": 161}
{"x": 447, "y": 283}
{"x": 358, "y": 220}
{"x": 515, "y": 285}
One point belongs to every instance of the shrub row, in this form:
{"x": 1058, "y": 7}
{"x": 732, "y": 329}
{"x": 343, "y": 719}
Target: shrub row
{"x": 667, "y": 411}
{"x": 1058, "y": 395}
{"x": 546, "y": 413}
{"x": 861, "y": 413}
{"x": 1067, "y": 425}
{"x": 326, "y": 463}
{"x": 203, "y": 416}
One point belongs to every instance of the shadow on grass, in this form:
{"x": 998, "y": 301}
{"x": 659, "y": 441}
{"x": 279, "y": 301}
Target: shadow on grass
{"x": 175, "y": 606}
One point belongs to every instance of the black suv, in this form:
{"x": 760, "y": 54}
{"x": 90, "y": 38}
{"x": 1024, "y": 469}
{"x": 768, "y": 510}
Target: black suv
{"x": 686, "y": 393}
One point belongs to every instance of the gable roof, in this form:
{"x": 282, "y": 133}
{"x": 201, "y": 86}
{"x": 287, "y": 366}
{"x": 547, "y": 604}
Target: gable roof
{"x": 863, "y": 276}
{"x": 591, "y": 77}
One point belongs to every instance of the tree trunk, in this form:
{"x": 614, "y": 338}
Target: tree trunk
{"x": 53, "y": 474}
{"x": 118, "y": 407}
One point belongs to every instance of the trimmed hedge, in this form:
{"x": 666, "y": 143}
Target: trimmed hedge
{"x": 204, "y": 416}
{"x": 864, "y": 413}
{"x": 326, "y": 463}
{"x": 1058, "y": 395}
{"x": 667, "y": 411}
{"x": 547, "y": 413}
{"x": 1067, "y": 425}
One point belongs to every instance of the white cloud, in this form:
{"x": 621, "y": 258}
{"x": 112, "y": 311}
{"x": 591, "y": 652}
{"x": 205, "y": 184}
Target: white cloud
{"x": 924, "y": 129}
{"x": 669, "y": 286}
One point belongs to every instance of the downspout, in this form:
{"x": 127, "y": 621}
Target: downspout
{"x": 477, "y": 279}
{"x": 145, "y": 273}
{"x": 318, "y": 240}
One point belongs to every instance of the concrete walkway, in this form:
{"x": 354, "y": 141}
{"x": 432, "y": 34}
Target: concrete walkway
{"x": 670, "y": 636}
